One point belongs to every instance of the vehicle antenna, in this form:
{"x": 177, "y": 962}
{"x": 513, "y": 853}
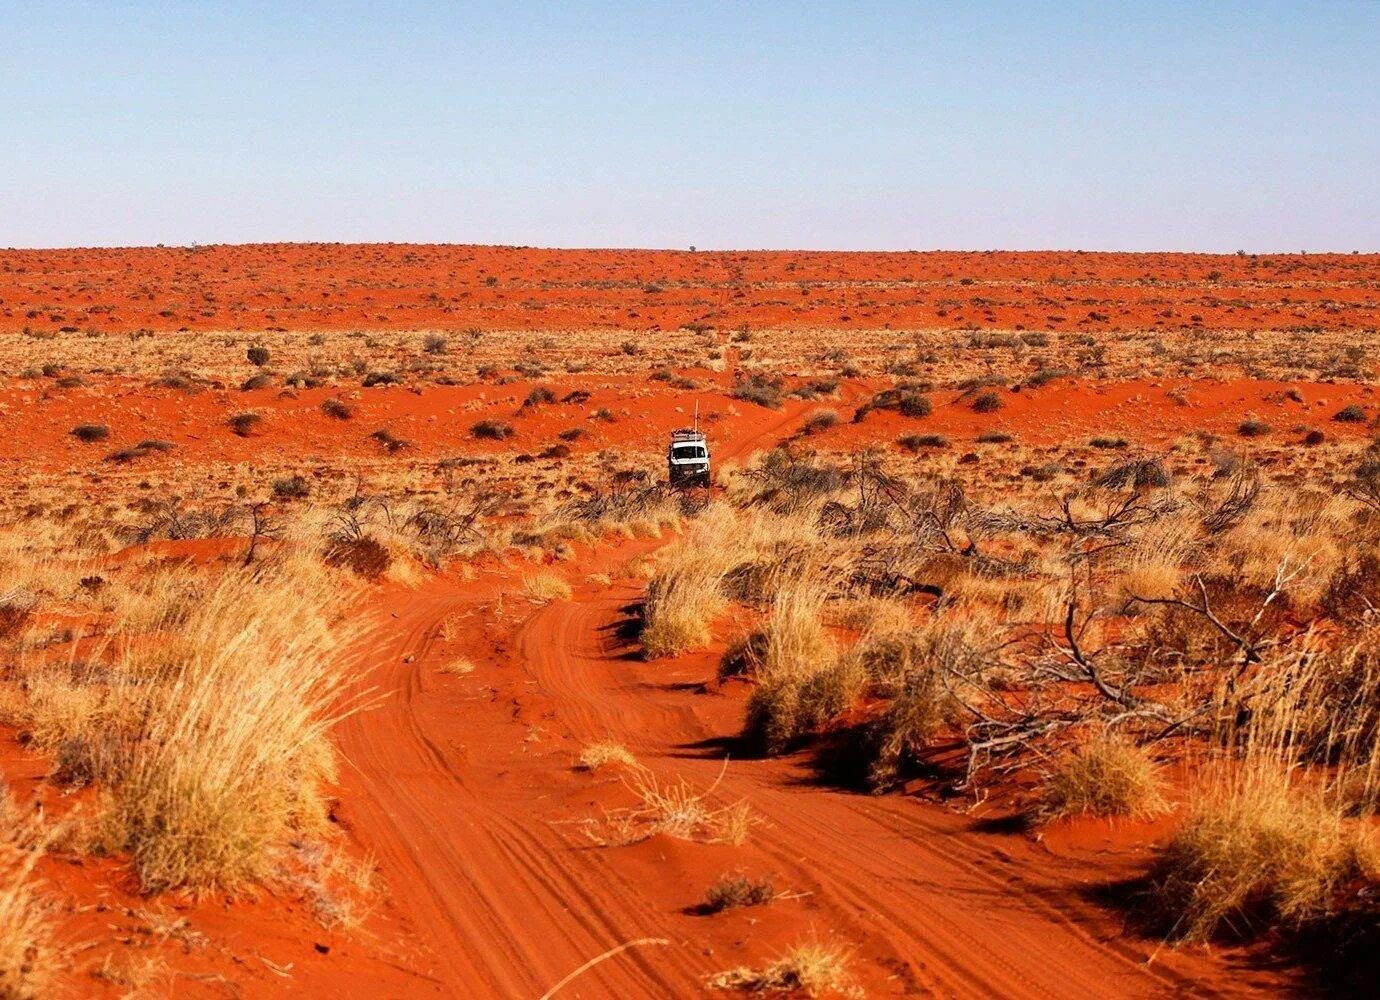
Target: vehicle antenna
{"x": 697, "y": 415}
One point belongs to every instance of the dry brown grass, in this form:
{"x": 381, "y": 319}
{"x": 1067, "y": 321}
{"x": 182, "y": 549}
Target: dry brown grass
{"x": 813, "y": 967}
{"x": 1106, "y": 776}
{"x": 1255, "y": 852}
{"x": 227, "y": 763}
{"x": 30, "y": 958}
{"x": 597, "y": 756}
{"x": 542, "y": 588}
{"x": 675, "y": 808}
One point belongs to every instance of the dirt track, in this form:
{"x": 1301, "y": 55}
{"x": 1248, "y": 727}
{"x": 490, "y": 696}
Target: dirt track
{"x": 463, "y": 789}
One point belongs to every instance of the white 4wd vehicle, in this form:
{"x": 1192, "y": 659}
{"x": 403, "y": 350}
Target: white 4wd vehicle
{"x": 688, "y": 458}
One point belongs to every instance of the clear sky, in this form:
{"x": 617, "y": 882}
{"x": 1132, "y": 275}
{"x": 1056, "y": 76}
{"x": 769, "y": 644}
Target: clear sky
{"x": 1194, "y": 125}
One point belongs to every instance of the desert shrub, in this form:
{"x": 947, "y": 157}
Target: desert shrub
{"x": 540, "y": 394}
{"x": 379, "y": 378}
{"x": 571, "y": 434}
{"x": 759, "y": 389}
{"x": 914, "y": 442}
{"x": 1042, "y": 473}
{"x": 1252, "y": 427}
{"x": 905, "y": 401}
{"x": 258, "y": 355}
{"x": 1107, "y": 776}
{"x": 90, "y": 433}
{"x": 819, "y": 421}
{"x": 1138, "y": 474}
{"x": 912, "y": 404}
{"x": 434, "y": 343}
{"x": 994, "y": 437}
{"x": 1352, "y": 593}
{"x": 291, "y": 488}
{"x": 245, "y": 423}
{"x": 391, "y": 442}
{"x": 337, "y": 409}
{"x": 494, "y": 430}
{"x": 810, "y": 967}
{"x": 1314, "y": 437}
{"x": 544, "y": 587}
{"x": 732, "y": 891}
{"x": 361, "y": 554}
{"x": 228, "y": 765}
{"x": 929, "y": 674}
{"x": 1257, "y": 855}
{"x": 686, "y": 593}
{"x": 1046, "y": 375}
{"x": 986, "y": 402}
{"x": 260, "y": 381}
{"x": 1352, "y": 413}
{"x": 597, "y": 756}
{"x": 1108, "y": 442}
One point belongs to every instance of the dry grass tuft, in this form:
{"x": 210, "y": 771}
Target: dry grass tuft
{"x": 29, "y": 956}
{"x": 227, "y": 764}
{"x": 542, "y": 588}
{"x": 1105, "y": 777}
{"x": 811, "y": 967}
{"x": 677, "y": 809}
{"x": 738, "y": 890}
{"x": 1256, "y": 853}
{"x": 604, "y": 754}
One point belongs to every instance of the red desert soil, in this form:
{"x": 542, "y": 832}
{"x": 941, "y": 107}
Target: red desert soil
{"x": 36, "y": 424}
{"x": 396, "y": 286}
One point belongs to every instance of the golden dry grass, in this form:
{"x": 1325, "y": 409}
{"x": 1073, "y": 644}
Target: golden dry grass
{"x": 1106, "y": 776}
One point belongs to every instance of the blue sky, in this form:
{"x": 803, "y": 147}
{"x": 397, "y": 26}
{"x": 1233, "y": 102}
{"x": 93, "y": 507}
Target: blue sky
{"x": 1203, "y": 126}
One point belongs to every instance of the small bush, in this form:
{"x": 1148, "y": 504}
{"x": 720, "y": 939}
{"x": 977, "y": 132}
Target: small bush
{"x": 760, "y": 390}
{"x": 540, "y": 394}
{"x": 914, "y": 442}
{"x": 493, "y": 430}
{"x": 987, "y": 402}
{"x": 914, "y": 405}
{"x": 335, "y": 408}
{"x": 811, "y": 967}
{"x": 90, "y": 433}
{"x": 1314, "y": 438}
{"x": 544, "y": 587}
{"x": 1105, "y": 777}
{"x": 1250, "y": 858}
{"x": 258, "y": 355}
{"x": 994, "y": 437}
{"x": 600, "y": 755}
{"x": 379, "y": 378}
{"x": 733, "y": 891}
{"x": 245, "y": 423}
{"x": 1252, "y": 427}
{"x": 434, "y": 344}
{"x": 819, "y": 421}
{"x": 291, "y": 488}
{"x": 1351, "y": 414}
{"x": 390, "y": 441}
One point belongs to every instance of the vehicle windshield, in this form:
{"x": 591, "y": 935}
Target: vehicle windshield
{"x": 690, "y": 451}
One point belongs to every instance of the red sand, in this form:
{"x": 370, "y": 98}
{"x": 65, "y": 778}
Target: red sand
{"x": 396, "y": 286}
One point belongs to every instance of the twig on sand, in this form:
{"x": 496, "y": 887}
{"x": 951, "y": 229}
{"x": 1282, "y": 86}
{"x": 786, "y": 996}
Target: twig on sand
{"x": 599, "y": 958}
